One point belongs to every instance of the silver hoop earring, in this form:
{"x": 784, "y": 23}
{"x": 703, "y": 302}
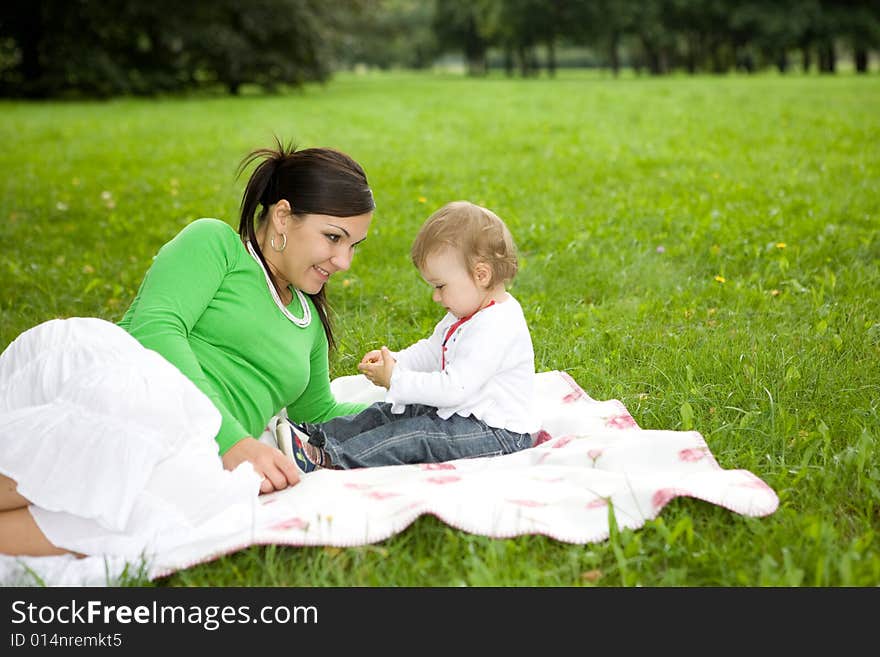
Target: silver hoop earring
{"x": 283, "y": 246}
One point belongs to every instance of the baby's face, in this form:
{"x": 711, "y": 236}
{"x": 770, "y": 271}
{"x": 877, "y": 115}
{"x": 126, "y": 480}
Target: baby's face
{"x": 454, "y": 286}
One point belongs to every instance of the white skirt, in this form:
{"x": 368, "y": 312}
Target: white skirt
{"x": 111, "y": 444}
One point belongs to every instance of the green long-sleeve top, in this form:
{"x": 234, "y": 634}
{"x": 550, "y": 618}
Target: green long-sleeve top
{"x": 205, "y": 306}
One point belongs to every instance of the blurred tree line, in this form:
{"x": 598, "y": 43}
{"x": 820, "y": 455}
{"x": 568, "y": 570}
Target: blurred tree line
{"x": 659, "y": 36}
{"x": 109, "y": 47}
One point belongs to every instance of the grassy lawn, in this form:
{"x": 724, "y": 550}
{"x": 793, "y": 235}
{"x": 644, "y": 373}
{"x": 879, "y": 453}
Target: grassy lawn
{"x": 704, "y": 249}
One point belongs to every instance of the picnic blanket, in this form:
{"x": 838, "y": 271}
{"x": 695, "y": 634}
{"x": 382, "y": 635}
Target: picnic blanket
{"x": 589, "y": 455}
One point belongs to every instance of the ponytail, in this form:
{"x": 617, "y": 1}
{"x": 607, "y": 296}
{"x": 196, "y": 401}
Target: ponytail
{"x": 260, "y": 187}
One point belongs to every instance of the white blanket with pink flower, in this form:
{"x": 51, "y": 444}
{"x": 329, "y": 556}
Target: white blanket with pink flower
{"x": 590, "y": 458}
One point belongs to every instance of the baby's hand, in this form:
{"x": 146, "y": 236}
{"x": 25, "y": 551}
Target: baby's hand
{"x": 379, "y": 371}
{"x": 373, "y": 356}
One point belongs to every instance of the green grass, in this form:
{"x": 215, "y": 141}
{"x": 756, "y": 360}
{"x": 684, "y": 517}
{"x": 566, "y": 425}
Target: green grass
{"x": 769, "y": 183}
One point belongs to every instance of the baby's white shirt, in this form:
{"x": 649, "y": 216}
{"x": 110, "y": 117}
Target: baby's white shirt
{"x": 489, "y": 373}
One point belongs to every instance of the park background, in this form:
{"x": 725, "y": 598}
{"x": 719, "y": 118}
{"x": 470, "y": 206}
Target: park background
{"x": 693, "y": 187}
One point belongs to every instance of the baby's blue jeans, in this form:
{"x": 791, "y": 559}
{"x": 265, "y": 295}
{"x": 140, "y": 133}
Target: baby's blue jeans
{"x": 376, "y": 437}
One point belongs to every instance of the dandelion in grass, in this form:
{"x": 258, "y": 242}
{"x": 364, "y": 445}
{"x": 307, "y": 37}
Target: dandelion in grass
{"x": 422, "y": 199}
{"x": 774, "y": 293}
{"x": 781, "y": 245}
{"x": 720, "y": 279}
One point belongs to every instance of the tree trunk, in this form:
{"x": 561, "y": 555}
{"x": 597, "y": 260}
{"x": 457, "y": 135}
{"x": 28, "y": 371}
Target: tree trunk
{"x": 614, "y": 52}
{"x": 534, "y": 64}
{"x": 551, "y": 58}
{"x": 654, "y": 57}
{"x": 716, "y": 58}
{"x": 745, "y": 60}
{"x": 691, "y": 56}
{"x": 508, "y": 61}
{"x": 827, "y": 57}
{"x": 476, "y": 61}
{"x": 806, "y": 57}
{"x": 523, "y": 59}
{"x": 861, "y": 56}
{"x": 30, "y": 42}
{"x": 782, "y": 61}
{"x": 475, "y": 51}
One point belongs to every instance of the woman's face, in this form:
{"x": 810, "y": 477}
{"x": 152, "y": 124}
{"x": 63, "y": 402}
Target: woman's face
{"x": 318, "y": 246}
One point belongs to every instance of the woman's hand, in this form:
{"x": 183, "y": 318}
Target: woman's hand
{"x": 379, "y": 371}
{"x": 277, "y": 471}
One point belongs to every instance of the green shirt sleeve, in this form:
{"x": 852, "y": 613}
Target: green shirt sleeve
{"x": 184, "y": 277}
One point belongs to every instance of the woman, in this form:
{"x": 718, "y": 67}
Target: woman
{"x": 105, "y": 447}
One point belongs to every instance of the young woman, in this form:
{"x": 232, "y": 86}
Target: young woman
{"x": 108, "y": 448}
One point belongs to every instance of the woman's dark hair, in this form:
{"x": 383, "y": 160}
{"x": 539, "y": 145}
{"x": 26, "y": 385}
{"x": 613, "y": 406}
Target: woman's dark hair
{"x": 313, "y": 181}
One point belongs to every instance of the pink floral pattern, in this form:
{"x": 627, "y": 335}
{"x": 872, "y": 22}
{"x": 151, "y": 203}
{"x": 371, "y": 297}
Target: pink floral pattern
{"x": 291, "y": 523}
{"x": 381, "y": 495}
{"x": 533, "y": 504}
{"x": 662, "y": 497}
{"x": 576, "y": 391}
{"x": 573, "y": 396}
{"x": 693, "y": 454}
{"x": 436, "y": 466}
{"x": 448, "y": 479}
{"x": 753, "y": 482}
{"x": 562, "y": 442}
{"x": 623, "y": 421}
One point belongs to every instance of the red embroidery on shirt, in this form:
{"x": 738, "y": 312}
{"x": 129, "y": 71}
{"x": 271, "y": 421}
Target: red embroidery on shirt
{"x": 452, "y": 329}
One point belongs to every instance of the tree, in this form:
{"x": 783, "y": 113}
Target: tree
{"x": 389, "y": 33}
{"x": 461, "y": 24}
{"x": 859, "y": 25}
{"x": 53, "y": 47}
{"x": 606, "y": 22}
{"x": 652, "y": 27}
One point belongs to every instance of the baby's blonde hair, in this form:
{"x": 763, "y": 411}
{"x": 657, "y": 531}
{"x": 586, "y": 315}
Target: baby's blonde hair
{"x": 476, "y": 233}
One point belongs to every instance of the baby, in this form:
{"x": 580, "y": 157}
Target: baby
{"x": 466, "y": 391}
